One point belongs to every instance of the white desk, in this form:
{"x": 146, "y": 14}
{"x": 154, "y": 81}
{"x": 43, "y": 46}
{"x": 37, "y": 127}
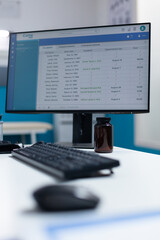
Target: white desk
{"x": 23, "y": 128}
{"x": 132, "y": 192}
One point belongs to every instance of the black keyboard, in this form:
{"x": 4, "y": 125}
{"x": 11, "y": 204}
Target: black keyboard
{"x": 63, "y": 162}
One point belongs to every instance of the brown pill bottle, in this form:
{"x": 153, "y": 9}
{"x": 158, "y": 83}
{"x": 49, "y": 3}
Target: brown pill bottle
{"x": 103, "y": 135}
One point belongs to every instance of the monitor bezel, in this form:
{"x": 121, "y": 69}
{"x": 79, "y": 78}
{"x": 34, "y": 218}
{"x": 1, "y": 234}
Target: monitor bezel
{"x": 109, "y": 111}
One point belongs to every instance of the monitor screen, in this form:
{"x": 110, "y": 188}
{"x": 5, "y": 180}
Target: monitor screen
{"x": 91, "y": 69}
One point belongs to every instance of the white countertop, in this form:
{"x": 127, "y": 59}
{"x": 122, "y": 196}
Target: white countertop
{"x": 131, "y": 191}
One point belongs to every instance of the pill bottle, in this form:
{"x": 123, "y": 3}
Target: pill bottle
{"x": 103, "y": 135}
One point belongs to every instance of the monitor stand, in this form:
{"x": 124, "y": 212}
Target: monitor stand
{"x": 82, "y": 131}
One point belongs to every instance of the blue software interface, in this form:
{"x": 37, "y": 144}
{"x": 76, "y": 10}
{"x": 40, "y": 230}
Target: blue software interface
{"x": 95, "y": 69}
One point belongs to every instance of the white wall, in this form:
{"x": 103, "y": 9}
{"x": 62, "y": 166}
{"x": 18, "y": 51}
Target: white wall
{"x": 148, "y": 125}
{"x": 49, "y": 14}
{"x": 102, "y": 11}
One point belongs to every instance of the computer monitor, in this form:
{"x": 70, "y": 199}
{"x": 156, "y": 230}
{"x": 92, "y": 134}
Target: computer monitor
{"x": 102, "y": 69}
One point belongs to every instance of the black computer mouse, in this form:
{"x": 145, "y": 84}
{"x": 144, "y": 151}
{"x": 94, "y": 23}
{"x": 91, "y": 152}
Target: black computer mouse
{"x": 65, "y": 197}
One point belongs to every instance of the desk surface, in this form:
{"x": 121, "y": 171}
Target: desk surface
{"x": 130, "y": 193}
{"x": 22, "y": 128}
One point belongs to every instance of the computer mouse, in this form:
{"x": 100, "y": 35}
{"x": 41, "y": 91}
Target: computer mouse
{"x": 65, "y": 197}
